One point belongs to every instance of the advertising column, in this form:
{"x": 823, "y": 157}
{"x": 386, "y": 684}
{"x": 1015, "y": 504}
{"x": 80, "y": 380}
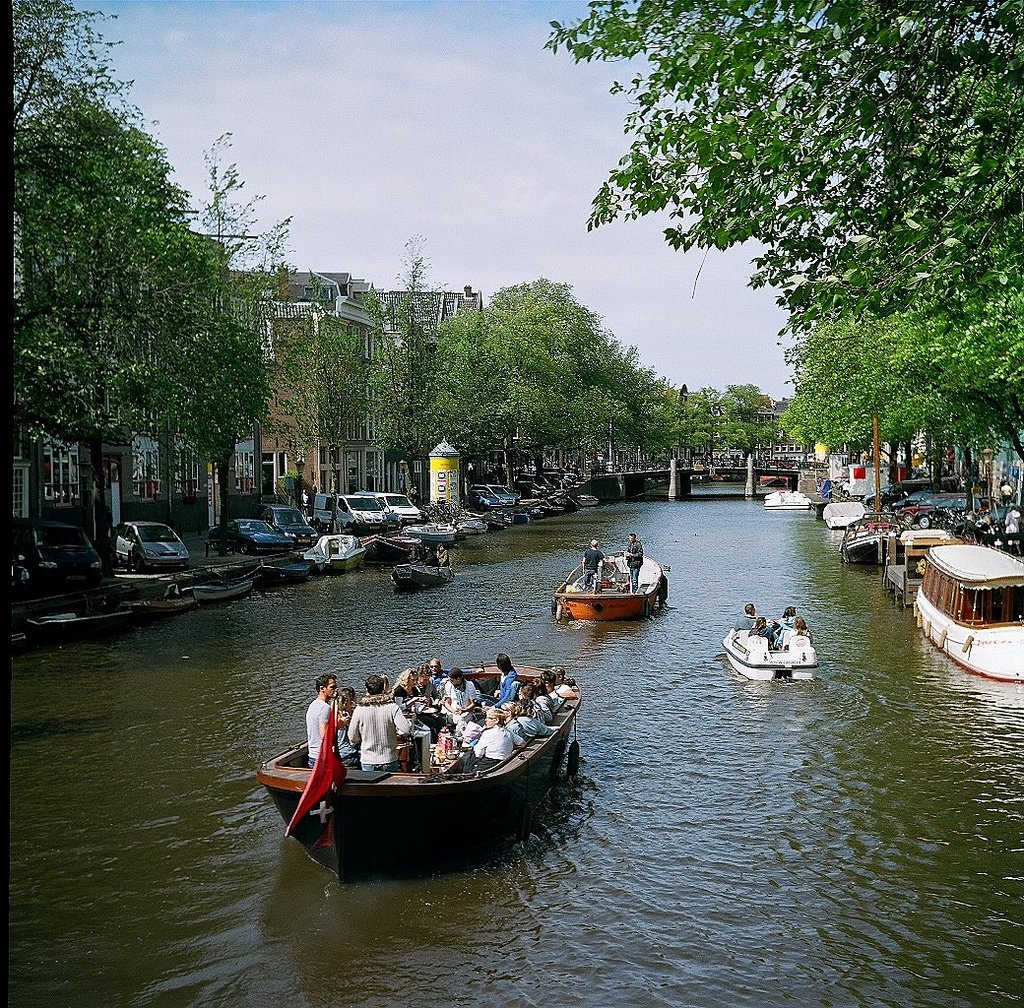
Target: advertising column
{"x": 444, "y": 474}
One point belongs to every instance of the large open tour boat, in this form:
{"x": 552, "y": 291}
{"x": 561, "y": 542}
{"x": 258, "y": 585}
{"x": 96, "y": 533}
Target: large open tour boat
{"x": 430, "y": 815}
{"x": 971, "y": 607}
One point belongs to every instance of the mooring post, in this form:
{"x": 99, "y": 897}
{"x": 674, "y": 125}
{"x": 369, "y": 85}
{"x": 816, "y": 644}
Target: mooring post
{"x": 749, "y": 492}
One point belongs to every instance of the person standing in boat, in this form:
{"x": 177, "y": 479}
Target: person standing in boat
{"x": 375, "y": 726}
{"x": 318, "y": 713}
{"x": 634, "y": 560}
{"x": 592, "y": 560}
{"x": 347, "y": 753}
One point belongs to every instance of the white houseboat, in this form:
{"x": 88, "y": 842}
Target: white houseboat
{"x": 971, "y": 607}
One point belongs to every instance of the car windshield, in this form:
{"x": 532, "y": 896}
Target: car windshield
{"x": 397, "y": 500}
{"x": 156, "y": 533}
{"x": 55, "y": 537}
{"x": 289, "y": 516}
{"x": 252, "y": 525}
{"x": 364, "y": 504}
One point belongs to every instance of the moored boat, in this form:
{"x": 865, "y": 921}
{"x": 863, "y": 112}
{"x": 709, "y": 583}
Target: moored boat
{"x": 74, "y": 625}
{"x": 222, "y": 591}
{"x": 157, "y": 608}
{"x": 387, "y": 550}
{"x": 752, "y": 658}
{"x": 585, "y": 500}
{"x": 842, "y": 514}
{"x": 275, "y": 575}
{"x": 611, "y": 598}
{"x": 336, "y": 553}
{"x": 433, "y": 535}
{"x": 971, "y": 607}
{"x": 430, "y": 816}
{"x": 418, "y": 575}
{"x": 864, "y": 540}
{"x": 787, "y": 500}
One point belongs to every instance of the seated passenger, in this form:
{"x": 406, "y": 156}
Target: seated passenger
{"x": 495, "y": 745}
{"x": 525, "y": 723}
{"x": 566, "y": 687}
{"x": 759, "y": 631}
{"x": 799, "y": 630}
{"x": 746, "y": 621}
{"x": 535, "y": 700}
{"x": 403, "y": 687}
{"x": 777, "y": 629}
{"x": 550, "y": 687}
{"x": 459, "y": 698}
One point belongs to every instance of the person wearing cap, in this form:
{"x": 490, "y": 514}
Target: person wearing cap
{"x": 592, "y": 560}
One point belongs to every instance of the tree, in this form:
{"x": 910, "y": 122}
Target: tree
{"x": 747, "y": 420}
{"x": 876, "y": 151}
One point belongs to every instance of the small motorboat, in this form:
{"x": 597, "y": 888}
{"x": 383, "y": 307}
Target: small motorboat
{"x": 387, "y": 550}
{"x": 432, "y": 535}
{"x": 157, "y": 608}
{"x": 222, "y": 591}
{"x": 751, "y": 657}
{"x": 585, "y": 500}
{"x": 335, "y": 554}
{"x": 471, "y": 526}
{"x": 412, "y": 576}
{"x": 66, "y": 626}
{"x": 611, "y": 598}
{"x": 275, "y": 575}
{"x": 787, "y": 500}
{"x": 842, "y": 514}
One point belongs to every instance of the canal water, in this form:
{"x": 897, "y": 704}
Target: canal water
{"x": 855, "y": 840}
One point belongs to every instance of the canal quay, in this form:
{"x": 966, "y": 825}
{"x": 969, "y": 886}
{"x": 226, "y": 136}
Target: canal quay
{"x": 854, "y": 840}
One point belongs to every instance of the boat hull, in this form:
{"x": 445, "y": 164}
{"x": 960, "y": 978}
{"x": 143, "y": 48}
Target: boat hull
{"x": 768, "y": 666}
{"x": 407, "y": 823}
{"x": 415, "y": 576}
{"x": 212, "y": 593}
{"x": 785, "y": 500}
{"x": 74, "y": 626}
{"x": 147, "y": 609}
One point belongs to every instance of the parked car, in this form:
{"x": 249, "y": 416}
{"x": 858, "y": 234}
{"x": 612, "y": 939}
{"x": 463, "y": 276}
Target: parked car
{"x": 369, "y": 515}
{"x": 289, "y": 520}
{"x": 483, "y": 498}
{"x": 146, "y": 545}
{"x": 399, "y": 504}
{"x": 250, "y": 535}
{"x": 57, "y": 557}
{"x": 923, "y": 515}
{"x": 503, "y": 493}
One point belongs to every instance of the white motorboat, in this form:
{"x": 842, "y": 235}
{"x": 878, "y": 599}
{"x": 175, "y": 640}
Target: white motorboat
{"x": 471, "y": 526}
{"x": 432, "y": 535}
{"x": 787, "y": 500}
{"x": 841, "y": 514}
{"x": 334, "y": 554}
{"x": 971, "y": 607}
{"x": 751, "y": 658}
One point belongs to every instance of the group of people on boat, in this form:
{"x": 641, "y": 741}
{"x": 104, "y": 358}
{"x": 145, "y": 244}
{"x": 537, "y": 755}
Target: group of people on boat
{"x": 594, "y": 561}
{"x": 781, "y": 634}
{"x": 466, "y": 723}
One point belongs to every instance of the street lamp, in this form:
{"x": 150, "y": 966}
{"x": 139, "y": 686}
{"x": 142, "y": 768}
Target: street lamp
{"x": 300, "y": 464}
{"x": 986, "y": 469}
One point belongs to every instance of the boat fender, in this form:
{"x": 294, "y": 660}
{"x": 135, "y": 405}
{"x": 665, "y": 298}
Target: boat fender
{"x": 572, "y": 761}
{"x": 523, "y": 833}
{"x": 555, "y": 606}
{"x": 941, "y": 642}
{"x": 663, "y": 590}
{"x": 967, "y": 644}
{"x": 647, "y": 608}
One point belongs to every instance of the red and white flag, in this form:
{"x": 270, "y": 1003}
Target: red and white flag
{"x": 313, "y": 822}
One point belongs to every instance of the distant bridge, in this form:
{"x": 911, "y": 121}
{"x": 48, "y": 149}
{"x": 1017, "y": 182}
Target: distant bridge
{"x": 637, "y": 485}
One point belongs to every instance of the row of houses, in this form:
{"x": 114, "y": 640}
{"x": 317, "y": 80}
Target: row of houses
{"x": 158, "y": 477}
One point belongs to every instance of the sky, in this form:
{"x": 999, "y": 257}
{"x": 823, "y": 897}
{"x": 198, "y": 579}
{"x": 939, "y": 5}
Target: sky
{"x": 371, "y": 124}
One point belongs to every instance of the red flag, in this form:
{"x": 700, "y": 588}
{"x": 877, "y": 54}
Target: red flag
{"x": 313, "y": 822}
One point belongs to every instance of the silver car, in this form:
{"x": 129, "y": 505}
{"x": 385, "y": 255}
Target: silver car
{"x": 146, "y": 545}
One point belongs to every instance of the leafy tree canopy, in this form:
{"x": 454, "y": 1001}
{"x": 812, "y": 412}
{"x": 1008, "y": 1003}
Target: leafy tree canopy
{"x": 876, "y": 150}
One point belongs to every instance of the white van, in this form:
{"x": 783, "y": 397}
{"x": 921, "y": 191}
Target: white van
{"x": 323, "y": 512}
{"x": 370, "y": 515}
{"x": 399, "y": 503}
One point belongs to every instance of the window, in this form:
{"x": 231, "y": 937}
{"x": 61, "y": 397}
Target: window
{"x": 60, "y": 475}
{"x": 146, "y": 468}
{"x": 245, "y": 468}
{"x": 186, "y": 470}
{"x": 19, "y": 490}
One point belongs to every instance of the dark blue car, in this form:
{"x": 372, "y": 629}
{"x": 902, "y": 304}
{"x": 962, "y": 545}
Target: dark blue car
{"x": 249, "y": 535}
